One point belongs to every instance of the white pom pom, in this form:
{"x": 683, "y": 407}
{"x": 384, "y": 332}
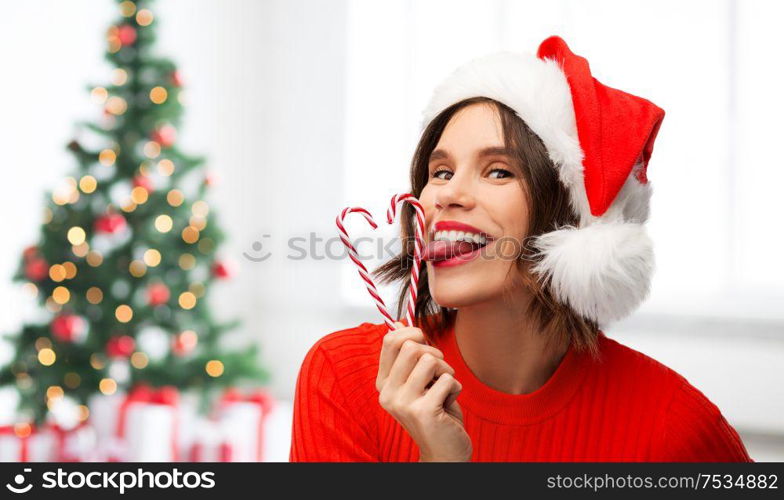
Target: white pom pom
{"x": 602, "y": 271}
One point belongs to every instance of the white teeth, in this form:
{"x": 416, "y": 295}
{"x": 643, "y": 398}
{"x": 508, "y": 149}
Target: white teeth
{"x": 459, "y": 236}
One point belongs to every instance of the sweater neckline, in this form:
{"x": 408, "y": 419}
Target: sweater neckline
{"x": 518, "y": 409}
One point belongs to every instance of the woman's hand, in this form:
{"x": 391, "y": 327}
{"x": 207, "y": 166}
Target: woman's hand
{"x": 427, "y": 409}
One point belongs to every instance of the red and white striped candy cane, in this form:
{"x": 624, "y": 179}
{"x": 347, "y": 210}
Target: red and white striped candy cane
{"x": 363, "y": 272}
{"x": 413, "y": 284}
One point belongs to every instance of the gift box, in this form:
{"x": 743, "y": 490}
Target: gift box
{"x": 76, "y": 444}
{"x": 210, "y": 443}
{"x": 147, "y": 425}
{"x": 242, "y": 418}
{"x": 190, "y": 423}
{"x": 104, "y": 413}
{"x": 26, "y": 443}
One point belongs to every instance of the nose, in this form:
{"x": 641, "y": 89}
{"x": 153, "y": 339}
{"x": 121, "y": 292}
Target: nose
{"x": 457, "y": 193}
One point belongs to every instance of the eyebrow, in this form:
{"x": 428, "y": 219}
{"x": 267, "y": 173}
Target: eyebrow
{"x": 440, "y": 154}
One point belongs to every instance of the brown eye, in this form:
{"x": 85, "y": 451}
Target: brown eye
{"x": 505, "y": 173}
{"x": 437, "y": 173}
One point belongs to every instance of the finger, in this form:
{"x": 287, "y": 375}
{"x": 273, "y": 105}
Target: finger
{"x": 445, "y": 387}
{"x": 452, "y": 407}
{"x": 427, "y": 368}
{"x": 391, "y": 345}
{"x": 407, "y": 359}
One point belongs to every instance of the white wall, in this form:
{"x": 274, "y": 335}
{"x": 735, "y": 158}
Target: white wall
{"x": 267, "y": 86}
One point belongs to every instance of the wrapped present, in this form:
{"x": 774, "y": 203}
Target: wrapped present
{"x": 189, "y": 423}
{"x": 210, "y": 443}
{"x": 104, "y": 414}
{"x": 76, "y": 444}
{"x": 25, "y": 442}
{"x": 104, "y": 411}
{"x": 242, "y": 418}
{"x": 147, "y": 425}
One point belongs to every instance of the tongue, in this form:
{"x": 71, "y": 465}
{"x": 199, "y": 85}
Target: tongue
{"x": 442, "y": 250}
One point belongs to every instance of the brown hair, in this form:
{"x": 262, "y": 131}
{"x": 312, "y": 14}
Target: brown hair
{"x": 549, "y": 209}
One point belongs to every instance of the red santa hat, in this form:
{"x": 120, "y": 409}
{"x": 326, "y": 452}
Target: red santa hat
{"x": 600, "y": 139}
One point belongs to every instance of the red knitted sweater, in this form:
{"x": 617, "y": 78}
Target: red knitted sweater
{"x": 624, "y": 407}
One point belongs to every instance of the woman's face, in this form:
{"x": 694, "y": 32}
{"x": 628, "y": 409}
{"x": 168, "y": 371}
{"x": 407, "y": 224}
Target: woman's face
{"x": 472, "y": 181}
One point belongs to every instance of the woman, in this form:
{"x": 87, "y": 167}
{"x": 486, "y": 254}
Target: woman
{"x": 532, "y": 176}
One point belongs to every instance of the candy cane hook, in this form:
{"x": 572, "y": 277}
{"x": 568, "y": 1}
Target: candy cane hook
{"x": 413, "y": 284}
{"x": 363, "y": 272}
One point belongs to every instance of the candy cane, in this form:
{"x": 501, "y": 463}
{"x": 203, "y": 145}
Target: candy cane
{"x": 413, "y": 284}
{"x": 363, "y": 272}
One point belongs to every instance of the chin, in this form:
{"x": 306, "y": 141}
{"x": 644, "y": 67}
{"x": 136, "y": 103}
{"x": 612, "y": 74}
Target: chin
{"x": 453, "y": 301}
{"x": 462, "y": 291}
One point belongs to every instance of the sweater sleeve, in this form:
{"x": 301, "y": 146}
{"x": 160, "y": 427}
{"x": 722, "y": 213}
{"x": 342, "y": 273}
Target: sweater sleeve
{"x": 325, "y": 427}
{"x": 694, "y": 430}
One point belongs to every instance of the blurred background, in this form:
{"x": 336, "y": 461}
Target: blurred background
{"x": 303, "y": 107}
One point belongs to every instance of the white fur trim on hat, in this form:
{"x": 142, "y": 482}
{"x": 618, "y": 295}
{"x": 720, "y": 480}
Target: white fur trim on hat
{"x": 601, "y": 271}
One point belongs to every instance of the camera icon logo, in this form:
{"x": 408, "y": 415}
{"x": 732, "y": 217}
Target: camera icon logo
{"x": 19, "y": 480}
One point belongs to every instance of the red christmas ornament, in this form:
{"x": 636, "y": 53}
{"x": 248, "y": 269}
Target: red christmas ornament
{"x": 120, "y": 347}
{"x": 176, "y": 78}
{"x": 126, "y": 34}
{"x": 222, "y": 270}
{"x": 110, "y": 223}
{"x": 36, "y": 269}
{"x": 157, "y": 294}
{"x": 184, "y": 343}
{"x": 165, "y": 135}
{"x": 69, "y": 328}
{"x": 143, "y": 181}
{"x": 30, "y": 252}
{"x": 210, "y": 179}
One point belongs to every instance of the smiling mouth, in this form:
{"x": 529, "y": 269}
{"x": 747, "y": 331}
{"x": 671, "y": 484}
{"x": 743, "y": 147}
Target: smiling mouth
{"x": 446, "y": 249}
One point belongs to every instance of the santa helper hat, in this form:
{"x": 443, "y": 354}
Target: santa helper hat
{"x": 600, "y": 140}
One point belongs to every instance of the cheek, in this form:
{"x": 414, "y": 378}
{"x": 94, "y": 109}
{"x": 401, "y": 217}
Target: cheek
{"x": 427, "y": 200}
{"x": 427, "y": 194}
{"x": 512, "y": 211}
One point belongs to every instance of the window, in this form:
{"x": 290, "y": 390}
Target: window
{"x": 707, "y": 64}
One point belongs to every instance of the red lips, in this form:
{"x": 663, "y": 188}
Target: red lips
{"x": 443, "y": 250}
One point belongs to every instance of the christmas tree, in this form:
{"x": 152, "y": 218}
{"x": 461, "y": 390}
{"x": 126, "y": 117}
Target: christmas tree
{"x": 127, "y": 250}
